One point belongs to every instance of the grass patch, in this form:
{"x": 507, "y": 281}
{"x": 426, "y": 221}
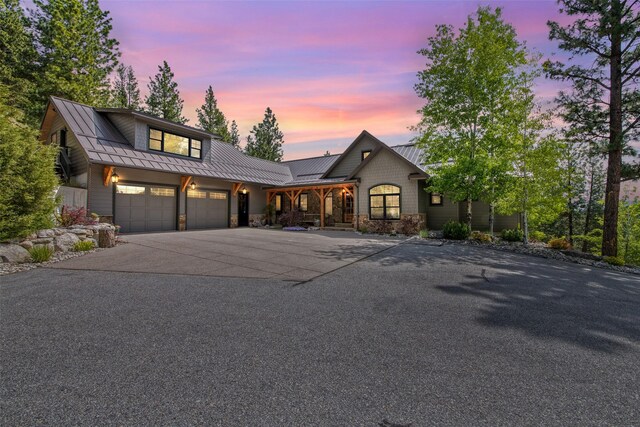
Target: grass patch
{"x": 83, "y": 246}
{"x": 41, "y": 253}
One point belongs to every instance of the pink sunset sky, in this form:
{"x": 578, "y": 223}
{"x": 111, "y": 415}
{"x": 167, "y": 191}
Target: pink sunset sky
{"x": 327, "y": 69}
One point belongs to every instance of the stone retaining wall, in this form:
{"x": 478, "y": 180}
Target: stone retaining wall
{"x": 61, "y": 239}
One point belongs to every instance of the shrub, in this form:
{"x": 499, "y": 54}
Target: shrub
{"x": 481, "y": 237}
{"x": 363, "y": 229}
{"x": 379, "y": 226}
{"x": 538, "y": 236}
{"x": 82, "y": 246}
{"x": 41, "y": 253}
{"x": 409, "y": 225}
{"x": 560, "y": 243}
{"x": 69, "y": 216}
{"x": 424, "y": 233}
{"x": 27, "y": 176}
{"x": 512, "y": 235}
{"x": 614, "y": 260}
{"x": 291, "y": 219}
{"x": 455, "y": 230}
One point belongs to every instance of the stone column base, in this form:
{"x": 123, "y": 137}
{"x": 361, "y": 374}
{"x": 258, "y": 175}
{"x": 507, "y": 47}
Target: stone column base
{"x": 234, "y": 221}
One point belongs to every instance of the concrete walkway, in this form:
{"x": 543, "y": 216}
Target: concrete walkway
{"x": 243, "y": 252}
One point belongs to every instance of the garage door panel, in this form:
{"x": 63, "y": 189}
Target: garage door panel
{"x": 207, "y": 209}
{"x": 145, "y": 208}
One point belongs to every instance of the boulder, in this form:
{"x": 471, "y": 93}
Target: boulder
{"x": 79, "y": 231}
{"x": 42, "y": 241}
{"x": 106, "y": 238}
{"x": 14, "y": 253}
{"x": 59, "y": 231}
{"x": 46, "y": 233}
{"x": 65, "y": 242}
{"x": 27, "y": 244}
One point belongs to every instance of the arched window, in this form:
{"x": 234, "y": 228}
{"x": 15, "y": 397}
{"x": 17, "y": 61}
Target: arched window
{"x": 384, "y": 202}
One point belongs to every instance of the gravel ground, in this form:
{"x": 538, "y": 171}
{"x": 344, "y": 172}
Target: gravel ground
{"x": 418, "y": 334}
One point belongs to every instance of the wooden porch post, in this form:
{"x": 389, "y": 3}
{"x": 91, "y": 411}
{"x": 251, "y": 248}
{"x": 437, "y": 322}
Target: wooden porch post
{"x": 322, "y": 207}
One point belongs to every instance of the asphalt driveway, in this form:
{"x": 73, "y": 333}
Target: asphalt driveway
{"x": 415, "y": 334}
{"x": 241, "y": 252}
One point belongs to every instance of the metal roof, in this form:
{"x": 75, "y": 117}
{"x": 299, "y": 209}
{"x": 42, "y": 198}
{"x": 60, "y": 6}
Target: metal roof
{"x": 104, "y": 144}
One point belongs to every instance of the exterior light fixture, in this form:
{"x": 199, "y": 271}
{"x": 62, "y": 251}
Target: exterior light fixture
{"x": 193, "y": 185}
{"x": 244, "y": 190}
{"x": 115, "y": 178}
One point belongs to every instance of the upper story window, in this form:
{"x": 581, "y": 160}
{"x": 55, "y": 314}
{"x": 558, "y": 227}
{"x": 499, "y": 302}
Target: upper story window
{"x": 384, "y": 202}
{"x": 175, "y": 144}
{"x": 365, "y": 154}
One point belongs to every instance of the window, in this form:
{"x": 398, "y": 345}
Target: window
{"x": 218, "y": 195}
{"x": 130, "y": 189}
{"x": 303, "y": 201}
{"x": 278, "y": 202}
{"x": 328, "y": 204}
{"x": 162, "y": 192}
{"x": 54, "y": 138}
{"x": 436, "y": 199}
{"x": 174, "y": 144}
{"x": 196, "y": 194}
{"x": 384, "y": 202}
{"x": 365, "y": 154}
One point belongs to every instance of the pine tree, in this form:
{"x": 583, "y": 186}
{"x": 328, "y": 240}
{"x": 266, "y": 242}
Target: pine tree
{"x": 234, "y": 138}
{"x": 164, "y": 98}
{"x": 77, "y": 52}
{"x": 606, "y": 95}
{"x": 125, "y": 92}
{"x": 266, "y": 139}
{"x": 17, "y": 58}
{"x": 211, "y": 119}
{"x": 27, "y": 175}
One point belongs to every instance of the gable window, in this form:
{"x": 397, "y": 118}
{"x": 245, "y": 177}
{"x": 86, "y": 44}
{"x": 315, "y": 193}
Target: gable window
{"x": 436, "y": 199}
{"x": 303, "y": 202}
{"x": 365, "y": 154}
{"x": 384, "y": 202}
{"x": 278, "y": 202}
{"x": 174, "y": 144}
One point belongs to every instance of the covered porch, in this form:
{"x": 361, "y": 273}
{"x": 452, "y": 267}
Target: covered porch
{"x": 328, "y": 205}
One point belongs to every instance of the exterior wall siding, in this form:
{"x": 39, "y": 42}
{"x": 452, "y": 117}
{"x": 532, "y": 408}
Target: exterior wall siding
{"x": 438, "y": 216}
{"x": 79, "y": 162}
{"x": 125, "y": 123}
{"x": 351, "y": 161}
{"x": 385, "y": 168}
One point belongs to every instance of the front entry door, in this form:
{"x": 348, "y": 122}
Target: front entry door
{"x": 347, "y": 211}
{"x": 243, "y": 210}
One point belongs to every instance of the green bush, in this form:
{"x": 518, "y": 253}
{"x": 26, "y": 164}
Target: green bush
{"x": 481, "y": 237}
{"x": 424, "y": 234}
{"x": 560, "y": 243}
{"x": 512, "y": 235}
{"x": 455, "y": 231}
{"x": 27, "y": 176}
{"x": 538, "y": 236}
{"x": 614, "y": 260}
{"x": 85, "y": 245}
{"x": 363, "y": 229}
{"x": 41, "y": 253}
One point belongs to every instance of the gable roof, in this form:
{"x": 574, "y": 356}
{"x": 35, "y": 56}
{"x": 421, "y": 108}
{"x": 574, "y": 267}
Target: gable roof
{"x": 104, "y": 144}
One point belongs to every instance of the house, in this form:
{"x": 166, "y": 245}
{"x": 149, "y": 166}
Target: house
{"x": 149, "y": 174}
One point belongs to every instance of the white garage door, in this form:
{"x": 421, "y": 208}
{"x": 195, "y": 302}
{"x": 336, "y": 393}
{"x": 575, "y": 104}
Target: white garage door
{"x": 207, "y": 209}
{"x": 142, "y": 208}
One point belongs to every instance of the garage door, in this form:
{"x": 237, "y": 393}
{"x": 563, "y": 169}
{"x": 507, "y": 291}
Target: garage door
{"x": 207, "y": 209}
{"x": 145, "y": 208}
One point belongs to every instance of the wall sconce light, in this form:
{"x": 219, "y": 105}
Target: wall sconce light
{"x": 193, "y": 185}
{"x": 244, "y": 190}
{"x": 344, "y": 190}
{"x": 115, "y": 178}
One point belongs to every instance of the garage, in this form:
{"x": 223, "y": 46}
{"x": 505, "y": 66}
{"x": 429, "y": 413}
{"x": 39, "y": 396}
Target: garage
{"x": 207, "y": 209}
{"x": 140, "y": 208}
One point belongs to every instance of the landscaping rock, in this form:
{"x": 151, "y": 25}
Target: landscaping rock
{"x": 65, "y": 242}
{"x": 42, "y": 241}
{"x": 59, "y": 231}
{"x": 95, "y": 242}
{"x": 27, "y": 244}
{"x": 106, "y": 238}
{"x": 46, "y": 233}
{"x": 14, "y": 253}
